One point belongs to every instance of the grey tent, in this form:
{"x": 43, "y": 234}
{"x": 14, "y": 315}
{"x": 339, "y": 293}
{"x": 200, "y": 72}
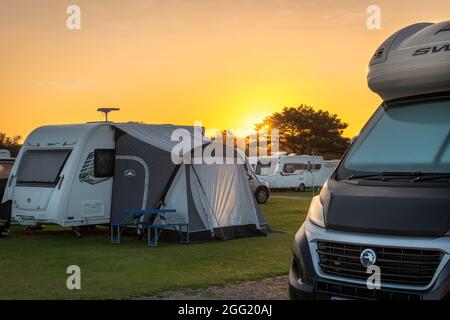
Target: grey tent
{"x": 214, "y": 199}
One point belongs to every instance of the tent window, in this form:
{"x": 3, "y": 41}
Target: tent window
{"x": 42, "y": 166}
{"x": 104, "y": 163}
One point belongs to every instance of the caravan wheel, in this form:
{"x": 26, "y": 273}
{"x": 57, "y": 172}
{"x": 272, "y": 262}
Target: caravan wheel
{"x": 262, "y": 195}
{"x": 301, "y": 188}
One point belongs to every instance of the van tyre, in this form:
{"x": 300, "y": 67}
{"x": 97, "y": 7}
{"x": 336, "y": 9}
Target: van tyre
{"x": 301, "y": 187}
{"x": 262, "y": 195}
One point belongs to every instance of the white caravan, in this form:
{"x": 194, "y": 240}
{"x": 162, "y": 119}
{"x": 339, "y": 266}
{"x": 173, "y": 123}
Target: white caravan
{"x": 47, "y": 180}
{"x": 87, "y": 174}
{"x": 295, "y": 172}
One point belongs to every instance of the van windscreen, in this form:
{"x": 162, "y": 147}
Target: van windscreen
{"x": 265, "y": 169}
{"x": 411, "y": 137}
{"x": 41, "y": 166}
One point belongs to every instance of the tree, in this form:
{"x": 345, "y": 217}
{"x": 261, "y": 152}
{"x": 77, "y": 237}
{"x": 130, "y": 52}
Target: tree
{"x": 10, "y": 143}
{"x": 306, "y": 131}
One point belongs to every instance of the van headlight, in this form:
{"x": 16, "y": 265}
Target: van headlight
{"x": 315, "y": 213}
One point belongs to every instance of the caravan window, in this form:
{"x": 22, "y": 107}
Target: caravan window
{"x": 314, "y": 167}
{"x": 294, "y": 167}
{"x": 98, "y": 166}
{"x": 42, "y": 166}
{"x": 5, "y": 169}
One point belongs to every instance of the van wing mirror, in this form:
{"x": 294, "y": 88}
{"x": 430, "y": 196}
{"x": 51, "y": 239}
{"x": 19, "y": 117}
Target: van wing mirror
{"x": 104, "y": 163}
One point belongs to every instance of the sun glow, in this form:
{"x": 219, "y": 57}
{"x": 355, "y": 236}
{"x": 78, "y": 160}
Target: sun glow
{"x": 228, "y": 64}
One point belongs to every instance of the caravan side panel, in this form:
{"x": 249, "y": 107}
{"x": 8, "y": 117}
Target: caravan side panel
{"x": 89, "y": 200}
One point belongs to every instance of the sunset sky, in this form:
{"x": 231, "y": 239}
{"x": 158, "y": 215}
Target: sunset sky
{"x": 228, "y": 63}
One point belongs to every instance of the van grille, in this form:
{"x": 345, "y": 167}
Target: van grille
{"x": 398, "y": 265}
{"x": 362, "y": 293}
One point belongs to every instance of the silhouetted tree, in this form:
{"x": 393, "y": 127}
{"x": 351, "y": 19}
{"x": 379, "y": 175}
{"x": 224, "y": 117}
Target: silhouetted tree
{"x": 10, "y": 143}
{"x": 304, "y": 130}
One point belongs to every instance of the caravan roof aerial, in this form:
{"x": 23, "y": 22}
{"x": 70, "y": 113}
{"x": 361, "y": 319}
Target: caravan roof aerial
{"x": 106, "y": 111}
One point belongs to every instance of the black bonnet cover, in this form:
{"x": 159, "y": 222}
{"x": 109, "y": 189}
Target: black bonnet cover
{"x": 387, "y": 210}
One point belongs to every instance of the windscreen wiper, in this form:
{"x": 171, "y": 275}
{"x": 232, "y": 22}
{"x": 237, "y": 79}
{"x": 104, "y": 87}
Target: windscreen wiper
{"x": 432, "y": 177}
{"x": 384, "y": 176}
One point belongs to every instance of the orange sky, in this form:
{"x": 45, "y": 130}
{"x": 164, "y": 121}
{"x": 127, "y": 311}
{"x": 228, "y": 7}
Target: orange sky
{"x": 227, "y": 63}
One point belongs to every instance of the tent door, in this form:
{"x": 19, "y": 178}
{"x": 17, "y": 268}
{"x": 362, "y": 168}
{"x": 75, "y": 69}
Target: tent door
{"x": 134, "y": 182}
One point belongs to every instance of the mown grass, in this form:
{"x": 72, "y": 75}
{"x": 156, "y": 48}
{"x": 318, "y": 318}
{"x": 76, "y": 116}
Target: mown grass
{"x": 295, "y": 194}
{"x": 34, "y": 266}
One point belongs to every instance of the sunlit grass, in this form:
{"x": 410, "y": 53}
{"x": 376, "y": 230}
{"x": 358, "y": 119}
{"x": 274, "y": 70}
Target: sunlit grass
{"x": 34, "y": 266}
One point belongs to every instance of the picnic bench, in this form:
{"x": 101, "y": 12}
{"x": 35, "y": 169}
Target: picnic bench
{"x": 155, "y": 225}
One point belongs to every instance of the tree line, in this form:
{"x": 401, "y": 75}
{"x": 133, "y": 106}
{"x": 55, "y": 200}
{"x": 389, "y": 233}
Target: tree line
{"x": 10, "y": 143}
{"x": 302, "y": 130}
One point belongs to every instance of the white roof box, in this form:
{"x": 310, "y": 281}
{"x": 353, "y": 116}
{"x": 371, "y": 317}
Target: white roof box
{"x": 413, "y": 61}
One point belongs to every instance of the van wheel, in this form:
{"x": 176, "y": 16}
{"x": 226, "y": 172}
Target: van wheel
{"x": 262, "y": 195}
{"x": 301, "y": 188}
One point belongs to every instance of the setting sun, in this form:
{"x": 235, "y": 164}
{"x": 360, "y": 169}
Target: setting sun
{"x": 228, "y": 64}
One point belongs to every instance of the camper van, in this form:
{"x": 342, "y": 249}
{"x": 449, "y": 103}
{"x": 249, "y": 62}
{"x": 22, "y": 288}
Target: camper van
{"x": 88, "y": 174}
{"x": 294, "y": 172}
{"x": 380, "y": 228}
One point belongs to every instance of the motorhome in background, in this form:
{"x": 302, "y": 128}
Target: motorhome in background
{"x": 88, "y": 174}
{"x": 5, "y": 154}
{"x": 284, "y": 171}
{"x": 6, "y": 164}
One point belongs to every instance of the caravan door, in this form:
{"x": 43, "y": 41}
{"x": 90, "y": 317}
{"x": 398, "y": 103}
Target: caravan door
{"x": 133, "y": 174}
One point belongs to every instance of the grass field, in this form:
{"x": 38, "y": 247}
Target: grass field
{"x": 306, "y": 194}
{"x": 34, "y": 266}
